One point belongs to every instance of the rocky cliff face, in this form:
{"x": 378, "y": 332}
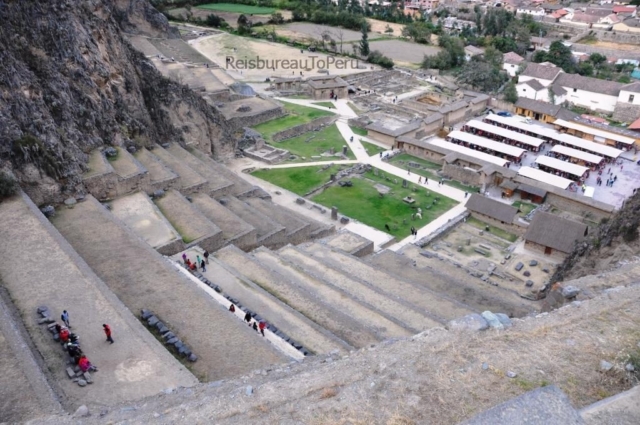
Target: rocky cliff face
{"x": 616, "y": 240}
{"x": 70, "y": 82}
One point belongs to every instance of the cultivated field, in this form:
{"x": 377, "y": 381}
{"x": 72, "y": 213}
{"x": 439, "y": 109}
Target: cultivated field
{"x": 238, "y": 8}
{"x": 403, "y": 51}
{"x": 220, "y": 46}
{"x": 300, "y": 31}
{"x": 230, "y": 17}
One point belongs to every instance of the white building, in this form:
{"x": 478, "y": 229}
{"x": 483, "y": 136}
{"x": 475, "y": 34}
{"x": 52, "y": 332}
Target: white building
{"x": 530, "y": 10}
{"x": 544, "y": 72}
{"x": 511, "y": 63}
{"x": 592, "y": 93}
{"x": 630, "y": 93}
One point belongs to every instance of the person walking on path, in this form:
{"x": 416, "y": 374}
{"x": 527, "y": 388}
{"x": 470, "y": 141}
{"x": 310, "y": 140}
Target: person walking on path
{"x": 426, "y": 181}
{"x": 184, "y": 258}
{"x": 261, "y": 326}
{"x": 202, "y": 266}
{"x": 232, "y": 308}
{"x": 107, "y": 332}
{"x": 466, "y": 194}
{"x": 247, "y": 318}
{"x": 206, "y": 256}
{"x": 65, "y": 318}
{"x": 197, "y": 260}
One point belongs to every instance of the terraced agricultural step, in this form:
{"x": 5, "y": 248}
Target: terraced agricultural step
{"x": 268, "y": 232}
{"x": 241, "y": 187}
{"x": 304, "y": 296}
{"x": 108, "y": 179}
{"x": 194, "y": 227}
{"x": 161, "y": 177}
{"x": 402, "y": 313}
{"x": 142, "y": 216}
{"x": 235, "y": 231}
{"x": 142, "y": 278}
{"x": 439, "y": 266}
{"x": 364, "y": 320}
{"x": 218, "y": 184}
{"x": 190, "y": 181}
{"x": 313, "y": 337}
{"x": 474, "y": 293}
{"x": 45, "y": 270}
{"x": 432, "y": 303}
{"x": 297, "y": 229}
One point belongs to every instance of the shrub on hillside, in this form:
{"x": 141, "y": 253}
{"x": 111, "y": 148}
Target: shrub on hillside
{"x": 378, "y": 58}
{"x": 8, "y": 185}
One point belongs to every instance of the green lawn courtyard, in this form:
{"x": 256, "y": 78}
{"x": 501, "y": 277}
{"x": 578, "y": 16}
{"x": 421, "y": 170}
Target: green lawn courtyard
{"x": 238, "y": 8}
{"x": 297, "y": 114}
{"x": 359, "y": 130}
{"x": 429, "y": 170}
{"x": 503, "y": 234}
{"x": 328, "y": 105}
{"x": 371, "y": 148}
{"x": 310, "y": 146}
{"x": 299, "y": 180}
{"x": 363, "y": 202}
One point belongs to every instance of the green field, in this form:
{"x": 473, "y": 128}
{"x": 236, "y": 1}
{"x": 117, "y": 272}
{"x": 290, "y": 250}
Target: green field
{"x": 238, "y": 8}
{"x": 429, "y": 170}
{"x": 524, "y": 207}
{"x": 371, "y": 148}
{"x": 328, "y": 105}
{"x": 315, "y": 143}
{"x": 363, "y": 203}
{"x": 359, "y": 130}
{"x": 298, "y": 114}
{"x": 299, "y": 180}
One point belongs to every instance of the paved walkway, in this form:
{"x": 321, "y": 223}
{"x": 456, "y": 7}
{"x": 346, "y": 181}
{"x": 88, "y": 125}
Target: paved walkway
{"x": 360, "y": 152}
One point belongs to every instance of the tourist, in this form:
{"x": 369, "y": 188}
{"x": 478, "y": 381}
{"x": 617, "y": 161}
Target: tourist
{"x": 107, "y": 332}
{"x": 247, "y": 318}
{"x": 466, "y": 194}
{"x": 65, "y": 318}
{"x": 193, "y": 267}
{"x": 188, "y": 263}
{"x": 408, "y": 172}
{"x": 413, "y": 231}
{"x": 198, "y": 260}
{"x": 255, "y": 326}
{"x": 184, "y": 258}
{"x": 380, "y": 154}
{"x": 426, "y": 180}
{"x": 232, "y": 308}
{"x": 419, "y": 180}
{"x": 262, "y": 325}
{"x": 206, "y": 256}
{"x": 386, "y": 226}
{"x": 85, "y": 364}
{"x": 64, "y": 335}
{"x": 204, "y": 269}
{"x": 74, "y": 351}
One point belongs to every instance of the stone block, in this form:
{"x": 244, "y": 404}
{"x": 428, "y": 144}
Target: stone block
{"x": 71, "y": 372}
{"x": 519, "y": 267}
{"x": 470, "y": 322}
{"x": 533, "y": 263}
{"x": 152, "y": 320}
{"x": 300, "y": 201}
{"x": 82, "y": 382}
{"x": 570, "y": 292}
{"x": 192, "y": 357}
{"x": 145, "y": 314}
{"x": 504, "y": 319}
{"x": 492, "y": 320}
{"x": 527, "y": 273}
{"x": 87, "y": 377}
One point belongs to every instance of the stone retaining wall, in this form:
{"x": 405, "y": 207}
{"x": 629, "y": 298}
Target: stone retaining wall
{"x": 304, "y": 128}
{"x": 625, "y": 112}
{"x": 587, "y": 48}
{"x": 462, "y": 174}
{"x": 245, "y": 241}
{"x": 275, "y": 239}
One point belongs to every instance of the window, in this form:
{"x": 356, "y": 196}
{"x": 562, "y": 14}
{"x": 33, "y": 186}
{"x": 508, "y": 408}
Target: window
{"x": 631, "y": 98}
{"x": 575, "y": 90}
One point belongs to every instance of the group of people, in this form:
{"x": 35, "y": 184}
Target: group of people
{"x": 71, "y": 342}
{"x": 258, "y": 326}
{"x": 198, "y": 263}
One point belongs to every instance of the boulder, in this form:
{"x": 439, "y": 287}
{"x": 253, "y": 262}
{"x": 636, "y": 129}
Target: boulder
{"x": 533, "y": 263}
{"x": 82, "y": 382}
{"x": 527, "y": 273}
{"x": 81, "y": 412}
{"x": 570, "y": 292}
{"x": 192, "y": 357}
{"x": 111, "y": 152}
{"x": 152, "y": 320}
{"x": 511, "y": 374}
{"x": 470, "y": 322}
{"x": 49, "y": 211}
{"x": 504, "y": 319}
{"x": 158, "y": 193}
{"x": 519, "y": 267}
{"x": 529, "y": 283}
{"x": 492, "y": 320}
{"x": 70, "y": 202}
{"x": 605, "y": 366}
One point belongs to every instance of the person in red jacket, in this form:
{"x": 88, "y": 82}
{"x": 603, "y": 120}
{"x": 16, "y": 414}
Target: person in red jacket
{"x": 261, "y": 326}
{"x": 107, "y": 332}
{"x": 64, "y": 334}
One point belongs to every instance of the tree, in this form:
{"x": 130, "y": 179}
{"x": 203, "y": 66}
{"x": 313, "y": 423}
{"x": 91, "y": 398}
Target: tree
{"x": 276, "y": 18}
{"x": 8, "y": 185}
{"x": 494, "y": 57}
{"x": 597, "y": 58}
{"x": 364, "y": 41}
{"x": 585, "y": 68}
{"x": 481, "y": 75}
{"x": 420, "y": 32}
{"x": 378, "y": 58}
{"x": 510, "y": 93}
{"x": 214, "y": 21}
{"x": 244, "y": 25}
{"x": 539, "y": 56}
{"x": 560, "y": 55}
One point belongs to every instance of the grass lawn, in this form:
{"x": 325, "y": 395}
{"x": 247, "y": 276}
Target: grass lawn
{"x": 371, "y": 148}
{"x": 329, "y": 105}
{"x": 503, "y": 234}
{"x": 238, "y": 8}
{"x": 363, "y": 203}
{"x": 322, "y": 141}
{"x": 298, "y": 114}
{"x": 359, "y": 130}
{"x": 299, "y": 180}
{"x": 525, "y": 207}
{"x": 428, "y": 169}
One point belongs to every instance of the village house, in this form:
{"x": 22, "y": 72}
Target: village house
{"x": 553, "y": 235}
{"x": 511, "y": 63}
{"x": 471, "y": 51}
{"x": 542, "y": 111}
{"x": 321, "y": 87}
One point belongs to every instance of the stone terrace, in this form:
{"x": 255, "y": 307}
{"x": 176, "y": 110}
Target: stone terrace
{"x": 141, "y": 278}
{"x": 45, "y": 270}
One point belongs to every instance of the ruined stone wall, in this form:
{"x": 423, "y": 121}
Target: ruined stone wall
{"x": 237, "y": 123}
{"x": 296, "y": 131}
{"x": 462, "y": 174}
{"x": 626, "y": 112}
{"x": 574, "y": 206}
{"x": 514, "y": 228}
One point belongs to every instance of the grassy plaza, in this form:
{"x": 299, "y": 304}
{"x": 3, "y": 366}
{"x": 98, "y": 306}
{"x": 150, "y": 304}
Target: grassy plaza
{"x": 297, "y": 114}
{"x": 299, "y": 180}
{"x": 238, "y": 8}
{"x": 310, "y": 146}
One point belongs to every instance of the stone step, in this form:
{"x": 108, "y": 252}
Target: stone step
{"x": 45, "y": 270}
{"x": 621, "y": 409}
{"x": 313, "y": 337}
{"x": 190, "y": 181}
{"x": 194, "y": 227}
{"x": 476, "y": 294}
{"x": 365, "y": 317}
{"x": 432, "y": 303}
{"x": 284, "y": 216}
{"x": 299, "y": 294}
{"x": 142, "y": 216}
{"x": 241, "y": 187}
{"x": 218, "y": 184}
{"x": 143, "y": 279}
{"x": 350, "y": 243}
{"x": 268, "y": 232}
{"x": 395, "y": 310}
{"x": 235, "y": 231}
{"x": 297, "y": 229}
{"x": 110, "y": 178}
{"x": 161, "y": 177}
{"x": 509, "y": 296}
